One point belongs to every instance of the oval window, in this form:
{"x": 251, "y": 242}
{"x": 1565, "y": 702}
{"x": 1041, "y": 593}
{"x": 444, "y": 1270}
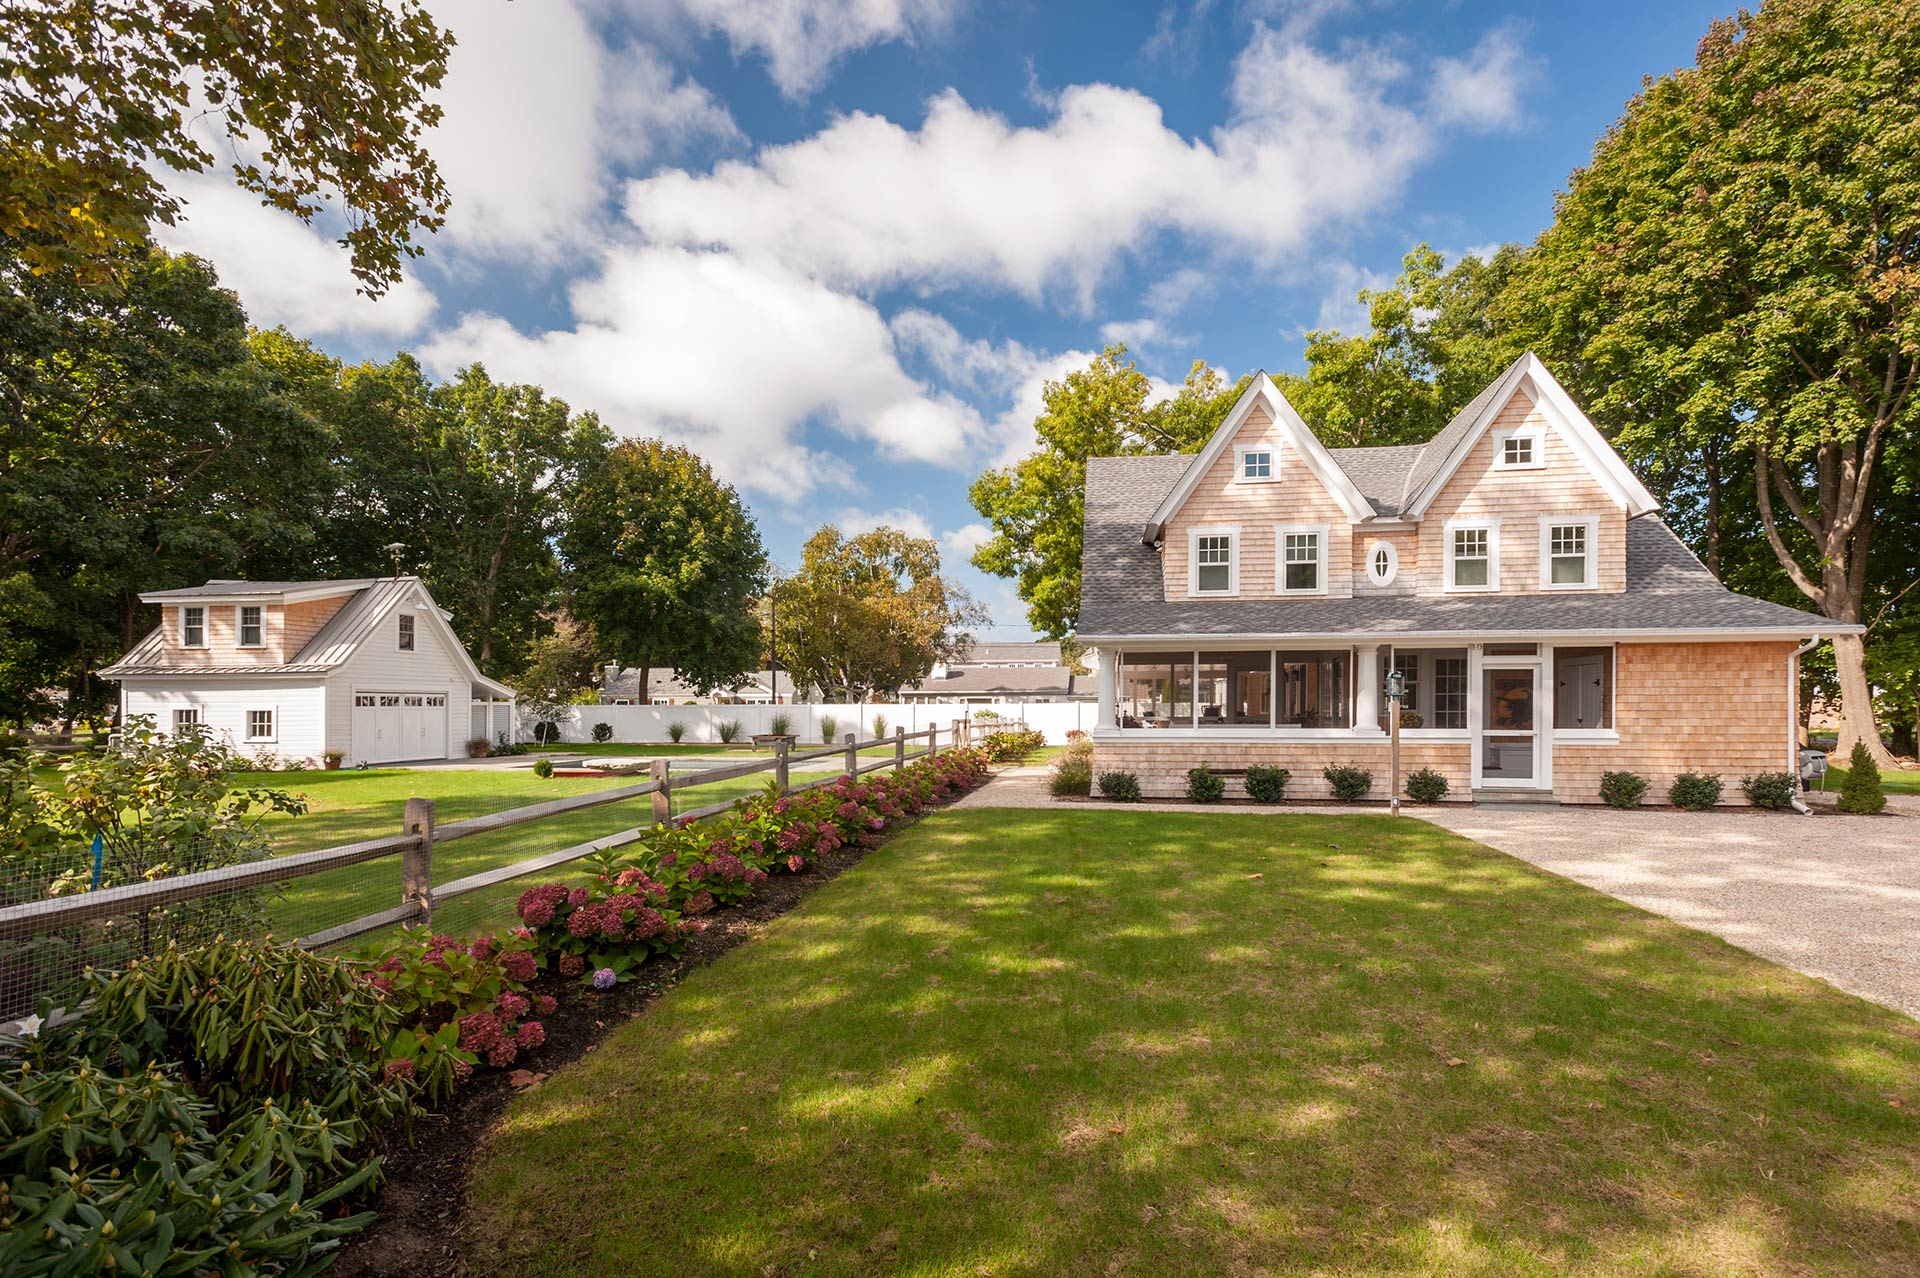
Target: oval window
{"x": 1383, "y": 562}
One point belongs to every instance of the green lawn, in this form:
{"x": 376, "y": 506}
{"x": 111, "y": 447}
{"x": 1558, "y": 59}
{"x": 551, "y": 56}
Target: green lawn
{"x": 348, "y": 806}
{"x": 1043, "y": 1043}
{"x": 1893, "y": 781}
{"x": 669, "y": 750}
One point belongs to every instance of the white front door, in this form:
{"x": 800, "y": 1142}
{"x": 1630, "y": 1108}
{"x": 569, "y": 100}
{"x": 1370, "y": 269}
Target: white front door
{"x": 1509, "y": 727}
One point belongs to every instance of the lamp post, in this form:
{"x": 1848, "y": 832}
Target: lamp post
{"x": 1396, "y": 689}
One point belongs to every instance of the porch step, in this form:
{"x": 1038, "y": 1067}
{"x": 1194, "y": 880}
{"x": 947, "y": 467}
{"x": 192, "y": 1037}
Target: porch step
{"x": 1503, "y": 797}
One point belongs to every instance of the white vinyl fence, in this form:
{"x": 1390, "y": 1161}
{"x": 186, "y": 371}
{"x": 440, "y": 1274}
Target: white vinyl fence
{"x": 702, "y": 723}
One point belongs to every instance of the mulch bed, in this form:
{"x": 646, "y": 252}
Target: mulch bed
{"x": 422, "y": 1201}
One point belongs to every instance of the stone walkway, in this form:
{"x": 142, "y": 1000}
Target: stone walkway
{"x": 1836, "y": 897}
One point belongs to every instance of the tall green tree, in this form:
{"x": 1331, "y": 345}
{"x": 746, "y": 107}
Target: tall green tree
{"x": 1037, "y": 505}
{"x": 870, "y": 613}
{"x": 666, "y": 564}
{"x": 143, "y": 448}
{"x": 315, "y": 99}
{"x": 1434, "y": 340}
{"x": 1735, "y": 276}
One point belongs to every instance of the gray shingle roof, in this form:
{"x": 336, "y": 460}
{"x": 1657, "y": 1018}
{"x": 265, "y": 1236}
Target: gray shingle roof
{"x": 1434, "y": 453}
{"x": 228, "y": 587}
{"x": 1121, "y": 592}
{"x": 1380, "y": 473}
{"x": 1022, "y": 681}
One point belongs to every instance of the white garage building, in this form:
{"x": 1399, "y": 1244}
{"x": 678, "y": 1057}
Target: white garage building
{"x": 368, "y": 667}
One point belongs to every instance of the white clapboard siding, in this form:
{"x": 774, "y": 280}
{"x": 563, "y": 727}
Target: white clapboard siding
{"x": 378, "y": 665}
{"x": 299, "y": 708}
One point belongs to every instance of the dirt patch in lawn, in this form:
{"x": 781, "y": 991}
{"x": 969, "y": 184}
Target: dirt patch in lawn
{"x": 422, "y": 1203}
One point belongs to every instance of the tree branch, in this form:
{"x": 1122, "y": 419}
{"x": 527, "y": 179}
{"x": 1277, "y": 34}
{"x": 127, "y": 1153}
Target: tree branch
{"x": 1762, "y": 490}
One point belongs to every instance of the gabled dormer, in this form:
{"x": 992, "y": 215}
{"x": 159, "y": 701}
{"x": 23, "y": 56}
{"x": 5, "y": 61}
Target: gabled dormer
{"x": 1263, "y": 511}
{"x": 1518, "y": 494}
{"x": 240, "y": 623}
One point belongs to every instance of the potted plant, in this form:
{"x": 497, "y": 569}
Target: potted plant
{"x": 779, "y": 728}
{"x": 332, "y": 759}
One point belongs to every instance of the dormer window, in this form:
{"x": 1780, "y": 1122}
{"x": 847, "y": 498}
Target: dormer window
{"x": 406, "y": 632}
{"x": 1470, "y": 556}
{"x": 1303, "y": 559}
{"x": 193, "y": 626}
{"x": 252, "y": 626}
{"x": 1256, "y": 464}
{"x": 1566, "y": 552}
{"x": 1213, "y": 566}
{"x": 1519, "y": 448}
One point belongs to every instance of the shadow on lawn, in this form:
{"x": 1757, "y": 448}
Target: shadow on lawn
{"x": 1037, "y": 1043}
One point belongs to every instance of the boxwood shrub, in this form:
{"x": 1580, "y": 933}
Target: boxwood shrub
{"x": 543, "y": 768}
{"x": 1266, "y": 785}
{"x": 1348, "y": 782}
{"x": 1121, "y": 787}
{"x": 1694, "y": 791}
{"x": 1426, "y": 786}
{"x": 1204, "y": 785}
{"x": 1769, "y": 790}
{"x": 1622, "y": 789}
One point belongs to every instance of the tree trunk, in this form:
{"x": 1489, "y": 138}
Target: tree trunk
{"x": 1856, "y": 701}
{"x": 1710, "y": 460}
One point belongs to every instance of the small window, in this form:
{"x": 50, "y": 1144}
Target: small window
{"x": 1383, "y": 563}
{"x": 252, "y": 627}
{"x": 1257, "y": 464}
{"x": 406, "y": 632}
{"x": 1568, "y": 554}
{"x": 1471, "y": 561}
{"x": 259, "y": 725}
{"x": 1300, "y": 562}
{"x": 1519, "y": 448}
{"x": 1213, "y": 563}
{"x": 193, "y": 627}
{"x": 364, "y": 699}
{"x": 186, "y": 720}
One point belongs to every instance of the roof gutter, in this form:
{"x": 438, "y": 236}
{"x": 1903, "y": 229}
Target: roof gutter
{"x": 1707, "y": 634}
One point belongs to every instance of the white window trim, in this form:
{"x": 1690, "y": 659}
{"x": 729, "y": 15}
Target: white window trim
{"x": 199, "y": 719}
{"x": 1280, "y": 532}
{"x": 246, "y": 724}
{"x": 1240, "y": 452}
{"x": 1492, "y": 527}
{"x": 1393, "y": 563}
{"x": 1547, "y": 524}
{"x": 1234, "y": 547}
{"x": 202, "y": 610}
{"x": 1533, "y": 431}
{"x": 397, "y": 628}
{"x": 240, "y": 626}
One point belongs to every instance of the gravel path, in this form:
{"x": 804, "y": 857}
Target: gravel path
{"x": 1836, "y": 897}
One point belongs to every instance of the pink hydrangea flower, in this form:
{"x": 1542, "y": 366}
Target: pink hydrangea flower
{"x": 578, "y": 897}
{"x": 530, "y": 1034}
{"x": 398, "y": 1067}
{"x": 698, "y": 903}
{"x": 482, "y": 947}
{"x": 796, "y": 863}
{"x": 519, "y": 965}
{"x": 572, "y": 965}
{"x": 513, "y": 1006}
{"x": 545, "y": 1004}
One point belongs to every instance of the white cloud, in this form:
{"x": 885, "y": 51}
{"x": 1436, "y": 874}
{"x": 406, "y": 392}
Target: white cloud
{"x": 730, "y": 357}
{"x": 853, "y": 521}
{"x": 1138, "y": 334}
{"x": 537, "y": 110}
{"x": 1483, "y": 90}
{"x": 1170, "y": 294}
{"x": 971, "y": 199}
{"x": 285, "y": 271}
{"x": 803, "y": 39}
{"x": 966, "y": 539}
{"x": 1341, "y": 308}
{"x": 1007, "y": 371}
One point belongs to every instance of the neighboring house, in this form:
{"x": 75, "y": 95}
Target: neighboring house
{"x": 621, "y": 687}
{"x": 1022, "y": 671}
{"x": 366, "y": 667}
{"x": 1251, "y": 599}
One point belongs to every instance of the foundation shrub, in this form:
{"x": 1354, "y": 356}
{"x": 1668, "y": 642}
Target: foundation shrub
{"x": 1769, "y": 790}
{"x": 1426, "y": 786}
{"x": 1204, "y": 785}
{"x": 1121, "y": 787}
{"x": 1071, "y": 777}
{"x": 1622, "y": 789}
{"x": 1266, "y": 785}
{"x": 1694, "y": 791}
{"x": 1349, "y": 783}
{"x": 1862, "y": 794}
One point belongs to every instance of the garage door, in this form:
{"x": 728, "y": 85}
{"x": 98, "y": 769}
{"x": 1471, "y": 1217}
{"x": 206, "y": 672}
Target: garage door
{"x": 389, "y": 727}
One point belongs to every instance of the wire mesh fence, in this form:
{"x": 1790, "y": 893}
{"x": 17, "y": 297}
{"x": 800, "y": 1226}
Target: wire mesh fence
{"x": 144, "y": 889}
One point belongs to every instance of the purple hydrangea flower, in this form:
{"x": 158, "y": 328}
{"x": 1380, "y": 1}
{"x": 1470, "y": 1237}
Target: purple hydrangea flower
{"x": 604, "y": 979}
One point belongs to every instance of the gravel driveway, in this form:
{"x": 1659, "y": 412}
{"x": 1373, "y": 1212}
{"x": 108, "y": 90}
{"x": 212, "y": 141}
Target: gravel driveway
{"x": 1836, "y": 897}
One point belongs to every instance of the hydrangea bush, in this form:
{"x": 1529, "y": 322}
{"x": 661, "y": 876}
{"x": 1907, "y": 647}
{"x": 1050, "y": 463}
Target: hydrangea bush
{"x": 461, "y": 1004}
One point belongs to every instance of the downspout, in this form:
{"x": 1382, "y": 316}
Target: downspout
{"x": 1793, "y": 720}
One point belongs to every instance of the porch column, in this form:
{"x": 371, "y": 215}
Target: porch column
{"x": 1366, "y": 685}
{"x": 1109, "y": 690}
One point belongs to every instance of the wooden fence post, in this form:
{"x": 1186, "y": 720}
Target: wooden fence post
{"x": 780, "y": 773}
{"x": 899, "y": 747}
{"x": 663, "y": 797}
{"x": 416, "y": 862}
{"x": 933, "y": 738}
{"x": 853, "y": 754}
{"x": 959, "y": 739}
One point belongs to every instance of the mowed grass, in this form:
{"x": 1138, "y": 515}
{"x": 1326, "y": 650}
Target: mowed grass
{"x": 348, "y": 806}
{"x": 1044, "y": 1043}
{"x": 1892, "y": 780}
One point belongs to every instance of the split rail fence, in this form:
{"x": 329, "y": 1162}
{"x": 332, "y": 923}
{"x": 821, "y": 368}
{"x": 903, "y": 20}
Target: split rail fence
{"x": 45, "y": 943}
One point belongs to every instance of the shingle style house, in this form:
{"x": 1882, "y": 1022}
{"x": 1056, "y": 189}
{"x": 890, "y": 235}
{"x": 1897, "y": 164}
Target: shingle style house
{"x": 1252, "y": 598}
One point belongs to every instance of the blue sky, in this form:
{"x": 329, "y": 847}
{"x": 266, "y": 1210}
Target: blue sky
{"x": 839, "y": 255}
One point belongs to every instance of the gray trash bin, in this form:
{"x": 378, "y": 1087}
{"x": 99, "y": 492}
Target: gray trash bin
{"x": 1813, "y": 764}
